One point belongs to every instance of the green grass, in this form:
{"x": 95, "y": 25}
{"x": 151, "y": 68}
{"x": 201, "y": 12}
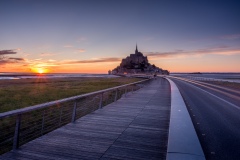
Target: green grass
{"x": 15, "y": 94}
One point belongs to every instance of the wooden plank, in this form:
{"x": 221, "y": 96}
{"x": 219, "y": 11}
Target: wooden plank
{"x": 127, "y": 153}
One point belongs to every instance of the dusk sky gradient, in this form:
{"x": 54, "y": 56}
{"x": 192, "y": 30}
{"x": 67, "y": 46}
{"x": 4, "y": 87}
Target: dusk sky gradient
{"x": 92, "y": 36}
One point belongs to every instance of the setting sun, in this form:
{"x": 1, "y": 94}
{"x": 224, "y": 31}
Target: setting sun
{"x": 40, "y": 70}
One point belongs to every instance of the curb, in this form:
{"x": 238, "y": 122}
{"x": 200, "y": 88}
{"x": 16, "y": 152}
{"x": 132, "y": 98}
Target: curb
{"x": 183, "y": 143}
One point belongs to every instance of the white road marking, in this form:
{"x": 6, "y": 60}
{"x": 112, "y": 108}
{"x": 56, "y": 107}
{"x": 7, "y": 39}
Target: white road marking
{"x": 237, "y": 107}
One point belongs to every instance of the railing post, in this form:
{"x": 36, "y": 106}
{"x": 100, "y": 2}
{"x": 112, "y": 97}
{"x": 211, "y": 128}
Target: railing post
{"x": 60, "y": 119}
{"x": 74, "y": 111}
{"x": 16, "y": 133}
{"x": 101, "y": 100}
{"x": 43, "y": 119}
{"x": 115, "y": 99}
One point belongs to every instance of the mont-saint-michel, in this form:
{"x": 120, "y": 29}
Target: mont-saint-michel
{"x": 137, "y": 63}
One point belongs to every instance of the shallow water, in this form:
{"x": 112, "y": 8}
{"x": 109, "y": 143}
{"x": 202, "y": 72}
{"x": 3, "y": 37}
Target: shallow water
{"x": 57, "y": 75}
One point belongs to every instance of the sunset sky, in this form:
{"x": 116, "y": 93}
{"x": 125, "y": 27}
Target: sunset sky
{"x": 92, "y": 36}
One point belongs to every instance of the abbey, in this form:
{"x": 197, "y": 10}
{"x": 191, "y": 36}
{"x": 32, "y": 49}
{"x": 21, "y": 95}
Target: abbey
{"x": 137, "y": 63}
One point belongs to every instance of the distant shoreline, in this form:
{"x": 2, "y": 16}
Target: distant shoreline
{"x": 16, "y": 74}
{"x": 52, "y": 75}
{"x": 205, "y": 72}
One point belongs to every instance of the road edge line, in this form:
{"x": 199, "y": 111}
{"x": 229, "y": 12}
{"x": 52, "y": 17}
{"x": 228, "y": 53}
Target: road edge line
{"x": 183, "y": 142}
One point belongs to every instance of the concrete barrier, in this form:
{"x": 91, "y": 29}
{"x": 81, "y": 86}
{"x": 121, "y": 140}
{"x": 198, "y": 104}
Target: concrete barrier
{"x": 183, "y": 143}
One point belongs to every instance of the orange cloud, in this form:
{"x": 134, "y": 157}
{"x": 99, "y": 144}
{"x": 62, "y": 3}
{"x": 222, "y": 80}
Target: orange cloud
{"x": 81, "y": 50}
{"x": 47, "y": 54}
{"x": 101, "y": 60}
{"x": 18, "y": 49}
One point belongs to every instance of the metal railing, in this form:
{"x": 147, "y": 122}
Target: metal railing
{"x": 20, "y": 126}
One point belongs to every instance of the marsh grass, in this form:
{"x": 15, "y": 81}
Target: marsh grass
{"x": 15, "y": 94}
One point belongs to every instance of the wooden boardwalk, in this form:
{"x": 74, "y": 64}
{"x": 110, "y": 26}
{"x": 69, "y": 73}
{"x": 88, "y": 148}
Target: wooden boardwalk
{"x": 134, "y": 127}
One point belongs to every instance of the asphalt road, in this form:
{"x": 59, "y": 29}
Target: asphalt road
{"x": 216, "y": 118}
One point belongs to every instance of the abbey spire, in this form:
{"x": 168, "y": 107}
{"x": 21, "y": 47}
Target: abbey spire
{"x": 136, "y": 51}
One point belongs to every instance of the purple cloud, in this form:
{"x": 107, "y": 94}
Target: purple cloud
{"x": 16, "y": 59}
{"x": 221, "y": 50}
{"x": 3, "y": 52}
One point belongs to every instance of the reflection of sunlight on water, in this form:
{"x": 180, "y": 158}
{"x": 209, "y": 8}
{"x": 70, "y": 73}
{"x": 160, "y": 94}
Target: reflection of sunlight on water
{"x": 47, "y": 76}
{"x": 9, "y": 78}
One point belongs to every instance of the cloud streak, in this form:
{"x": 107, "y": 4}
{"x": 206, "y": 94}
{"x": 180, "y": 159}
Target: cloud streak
{"x": 11, "y": 60}
{"x": 16, "y": 59}
{"x": 81, "y": 50}
{"x": 221, "y": 50}
{"x": 231, "y": 37}
{"x": 47, "y": 54}
{"x": 4, "y": 52}
{"x": 101, "y": 60}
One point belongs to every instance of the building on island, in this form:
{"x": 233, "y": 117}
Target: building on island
{"x": 137, "y": 64}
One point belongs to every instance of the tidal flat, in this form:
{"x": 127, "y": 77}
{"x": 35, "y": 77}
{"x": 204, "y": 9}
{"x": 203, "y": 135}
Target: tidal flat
{"x": 20, "y": 93}
{"x": 231, "y": 85}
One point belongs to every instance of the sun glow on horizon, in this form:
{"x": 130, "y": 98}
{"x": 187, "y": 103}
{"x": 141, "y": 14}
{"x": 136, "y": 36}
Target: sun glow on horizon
{"x": 40, "y": 70}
